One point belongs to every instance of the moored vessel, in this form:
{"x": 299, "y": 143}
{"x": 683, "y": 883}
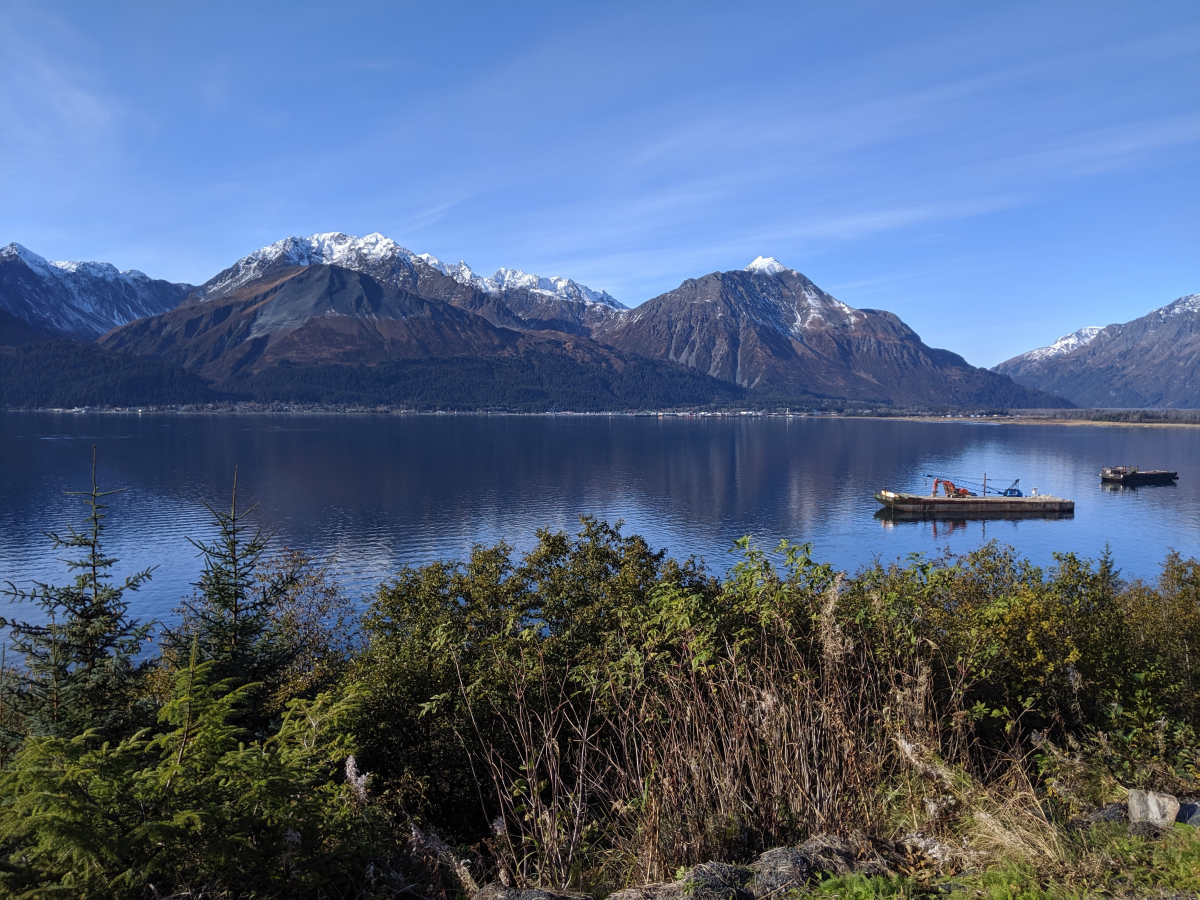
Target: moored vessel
{"x": 959, "y": 502}
{"x": 1134, "y": 475}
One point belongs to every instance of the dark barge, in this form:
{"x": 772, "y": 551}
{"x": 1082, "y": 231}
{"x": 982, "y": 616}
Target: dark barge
{"x": 1134, "y": 475}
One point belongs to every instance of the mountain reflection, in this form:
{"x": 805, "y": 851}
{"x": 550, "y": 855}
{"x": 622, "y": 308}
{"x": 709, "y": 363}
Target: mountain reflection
{"x": 378, "y": 492}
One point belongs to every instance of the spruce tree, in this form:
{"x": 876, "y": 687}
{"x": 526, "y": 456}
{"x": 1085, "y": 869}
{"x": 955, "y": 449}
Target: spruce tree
{"x": 81, "y": 663}
{"x": 231, "y": 615}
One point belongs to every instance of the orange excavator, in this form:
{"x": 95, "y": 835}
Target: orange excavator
{"x": 950, "y": 489}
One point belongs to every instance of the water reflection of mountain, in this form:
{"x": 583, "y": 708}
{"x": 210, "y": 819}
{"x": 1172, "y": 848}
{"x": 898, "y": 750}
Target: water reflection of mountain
{"x": 379, "y": 491}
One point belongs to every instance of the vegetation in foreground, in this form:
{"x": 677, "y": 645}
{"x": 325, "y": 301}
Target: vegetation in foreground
{"x": 593, "y": 715}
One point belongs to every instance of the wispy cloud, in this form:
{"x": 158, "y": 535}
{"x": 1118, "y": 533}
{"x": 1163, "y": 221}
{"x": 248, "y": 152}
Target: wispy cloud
{"x": 49, "y": 103}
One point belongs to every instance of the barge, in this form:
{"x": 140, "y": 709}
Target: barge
{"x": 1134, "y": 475}
{"x": 959, "y": 503}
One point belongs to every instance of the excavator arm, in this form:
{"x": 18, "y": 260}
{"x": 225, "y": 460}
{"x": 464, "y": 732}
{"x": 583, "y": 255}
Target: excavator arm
{"x": 950, "y": 488}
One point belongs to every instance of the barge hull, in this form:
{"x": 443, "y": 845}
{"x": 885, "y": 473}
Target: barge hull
{"x": 892, "y": 514}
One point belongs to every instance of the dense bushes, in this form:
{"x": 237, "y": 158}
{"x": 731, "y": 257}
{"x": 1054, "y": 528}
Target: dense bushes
{"x": 627, "y": 715}
{"x": 589, "y": 714}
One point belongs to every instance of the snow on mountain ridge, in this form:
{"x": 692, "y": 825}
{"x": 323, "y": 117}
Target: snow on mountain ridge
{"x": 510, "y": 279}
{"x": 375, "y": 250}
{"x": 767, "y": 265}
{"x": 1063, "y": 345}
{"x": 79, "y": 299}
{"x": 329, "y": 248}
{"x": 60, "y": 268}
{"x": 1188, "y": 304}
{"x": 816, "y": 303}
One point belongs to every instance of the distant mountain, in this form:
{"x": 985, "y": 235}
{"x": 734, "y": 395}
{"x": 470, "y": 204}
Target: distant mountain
{"x": 316, "y": 307}
{"x": 307, "y": 315}
{"x": 324, "y": 333}
{"x": 79, "y": 300}
{"x": 1151, "y": 361}
{"x": 510, "y": 298}
{"x": 769, "y": 327}
{"x": 1061, "y": 347}
{"x": 551, "y": 304}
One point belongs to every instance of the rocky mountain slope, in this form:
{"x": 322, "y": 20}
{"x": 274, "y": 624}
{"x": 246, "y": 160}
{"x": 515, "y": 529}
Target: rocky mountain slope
{"x": 1150, "y": 361}
{"x": 308, "y": 315}
{"x": 14, "y": 332}
{"x": 337, "y": 300}
{"x": 1061, "y": 347}
{"x": 510, "y": 298}
{"x": 769, "y": 327}
{"x": 328, "y": 334}
{"x": 80, "y": 300}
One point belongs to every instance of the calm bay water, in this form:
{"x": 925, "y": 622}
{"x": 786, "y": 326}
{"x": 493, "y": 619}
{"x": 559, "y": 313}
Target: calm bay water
{"x": 372, "y": 493}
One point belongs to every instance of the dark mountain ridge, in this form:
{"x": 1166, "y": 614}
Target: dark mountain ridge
{"x": 316, "y": 307}
{"x": 79, "y": 300}
{"x": 307, "y": 315}
{"x": 1151, "y": 361}
{"x": 770, "y": 326}
{"x": 327, "y": 334}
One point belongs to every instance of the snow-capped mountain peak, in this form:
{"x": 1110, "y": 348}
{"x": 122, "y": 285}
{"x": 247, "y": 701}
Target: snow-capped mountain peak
{"x": 1182, "y": 306}
{"x": 61, "y": 268}
{"x": 374, "y": 254}
{"x": 514, "y": 279}
{"x": 16, "y": 252}
{"x": 462, "y": 273}
{"x": 78, "y": 299}
{"x": 383, "y": 258}
{"x": 1064, "y": 344}
{"x": 767, "y": 265}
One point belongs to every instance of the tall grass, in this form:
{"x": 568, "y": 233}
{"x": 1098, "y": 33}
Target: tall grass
{"x": 622, "y": 715}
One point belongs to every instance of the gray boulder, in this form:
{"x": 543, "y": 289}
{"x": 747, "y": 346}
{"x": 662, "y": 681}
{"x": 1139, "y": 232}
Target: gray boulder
{"x": 1155, "y": 808}
{"x": 542, "y": 894}
{"x": 1189, "y": 811}
{"x": 664, "y": 890}
{"x": 496, "y": 891}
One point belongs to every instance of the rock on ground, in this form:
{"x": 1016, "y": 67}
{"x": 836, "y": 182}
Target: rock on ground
{"x": 1189, "y": 811}
{"x": 1150, "y": 806}
{"x": 769, "y": 877}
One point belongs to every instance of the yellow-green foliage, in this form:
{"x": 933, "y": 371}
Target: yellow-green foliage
{"x": 620, "y": 716}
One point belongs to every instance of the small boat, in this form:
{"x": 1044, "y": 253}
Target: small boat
{"x": 958, "y": 502}
{"x": 1134, "y": 475}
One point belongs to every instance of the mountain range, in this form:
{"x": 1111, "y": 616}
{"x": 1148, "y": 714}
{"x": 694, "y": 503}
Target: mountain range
{"x": 80, "y": 300}
{"x": 1152, "y": 361}
{"x": 335, "y": 318}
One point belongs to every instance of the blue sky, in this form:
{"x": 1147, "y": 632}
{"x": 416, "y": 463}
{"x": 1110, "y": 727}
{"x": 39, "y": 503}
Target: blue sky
{"x": 996, "y": 174}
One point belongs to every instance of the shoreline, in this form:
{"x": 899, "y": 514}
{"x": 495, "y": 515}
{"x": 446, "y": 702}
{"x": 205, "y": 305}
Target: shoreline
{"x": 1118, "y": 417}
